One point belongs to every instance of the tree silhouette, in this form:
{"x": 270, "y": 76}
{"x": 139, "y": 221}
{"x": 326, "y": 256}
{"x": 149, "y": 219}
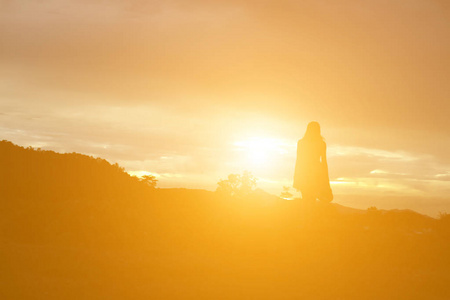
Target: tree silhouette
{"x": 286, "y": 192}
{"x": 237, "y": 185}
{"x": 150, "y": 180}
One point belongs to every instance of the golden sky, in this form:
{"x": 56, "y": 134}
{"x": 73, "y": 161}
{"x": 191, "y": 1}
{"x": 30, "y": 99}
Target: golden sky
{"x": 194, "y": 90}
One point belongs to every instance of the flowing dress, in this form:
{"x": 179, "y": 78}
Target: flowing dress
{"x": 311, "y": 170}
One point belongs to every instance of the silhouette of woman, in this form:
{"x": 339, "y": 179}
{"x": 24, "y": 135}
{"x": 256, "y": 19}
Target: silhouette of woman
{"x": 311, "y": 169}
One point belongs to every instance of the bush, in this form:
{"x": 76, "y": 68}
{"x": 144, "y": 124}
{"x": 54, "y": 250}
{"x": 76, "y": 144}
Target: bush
{"x": 237, "y": 185}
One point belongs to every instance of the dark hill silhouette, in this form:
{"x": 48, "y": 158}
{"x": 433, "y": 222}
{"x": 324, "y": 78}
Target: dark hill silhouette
{"x": 76, "y": 227}
{"x": 26, "y": 171}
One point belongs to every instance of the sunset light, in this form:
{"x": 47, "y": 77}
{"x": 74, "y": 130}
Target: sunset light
{"x": 260, "y": 152}
{"x": 251, "y": 149}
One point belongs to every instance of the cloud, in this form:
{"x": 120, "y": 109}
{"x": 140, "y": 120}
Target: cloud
{"x": 290, "y": 58}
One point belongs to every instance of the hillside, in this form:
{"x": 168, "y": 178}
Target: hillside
{"x": 76, "y": 227}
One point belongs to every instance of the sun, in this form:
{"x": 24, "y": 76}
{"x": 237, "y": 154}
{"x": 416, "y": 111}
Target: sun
{"x": 258, "y": 151}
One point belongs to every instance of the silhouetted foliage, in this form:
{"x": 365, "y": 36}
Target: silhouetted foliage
{"x": 286, "y": 194}
{"x": 443, "y": 216}
{"x": 149, "y": 180}
{"x": 237, "y": 185}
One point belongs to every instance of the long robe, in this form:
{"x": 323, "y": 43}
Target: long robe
{"x": 311, "y": 170}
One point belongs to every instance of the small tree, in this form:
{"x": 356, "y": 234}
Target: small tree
{"x": 443, "y": 216}
{"x": 373, "y": 211}
{"x": 286, "y": 194}
{"x": 237, "y": 185}
{"x": 150, "y": 180}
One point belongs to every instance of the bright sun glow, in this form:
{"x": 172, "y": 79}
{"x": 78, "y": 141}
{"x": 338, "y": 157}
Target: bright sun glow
{"x": 259, "y": 150}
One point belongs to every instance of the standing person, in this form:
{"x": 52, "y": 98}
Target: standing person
{"x": 311, "y": 168}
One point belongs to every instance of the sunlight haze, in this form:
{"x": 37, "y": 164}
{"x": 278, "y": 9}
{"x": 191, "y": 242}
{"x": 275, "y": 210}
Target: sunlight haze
{"x": 191, "y": 91}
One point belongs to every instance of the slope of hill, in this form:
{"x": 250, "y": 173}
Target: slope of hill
{"x": 75, "y": 227}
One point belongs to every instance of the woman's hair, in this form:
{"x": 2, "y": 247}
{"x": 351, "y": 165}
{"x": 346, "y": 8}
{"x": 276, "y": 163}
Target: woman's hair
{"x": 313, "y": 132}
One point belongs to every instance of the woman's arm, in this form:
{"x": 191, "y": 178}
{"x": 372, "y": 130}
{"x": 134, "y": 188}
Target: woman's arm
{"x": 324, "y": 160}
{"x": 298, "y": 167}
{"x": 324, "y": 155}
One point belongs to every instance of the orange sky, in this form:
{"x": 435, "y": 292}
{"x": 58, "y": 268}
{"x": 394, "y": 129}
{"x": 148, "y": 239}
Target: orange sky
{"x": 193, "y": 90}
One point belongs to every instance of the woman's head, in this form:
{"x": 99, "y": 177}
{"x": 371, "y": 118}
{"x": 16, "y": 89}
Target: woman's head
{"x": 313, "y": 132}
